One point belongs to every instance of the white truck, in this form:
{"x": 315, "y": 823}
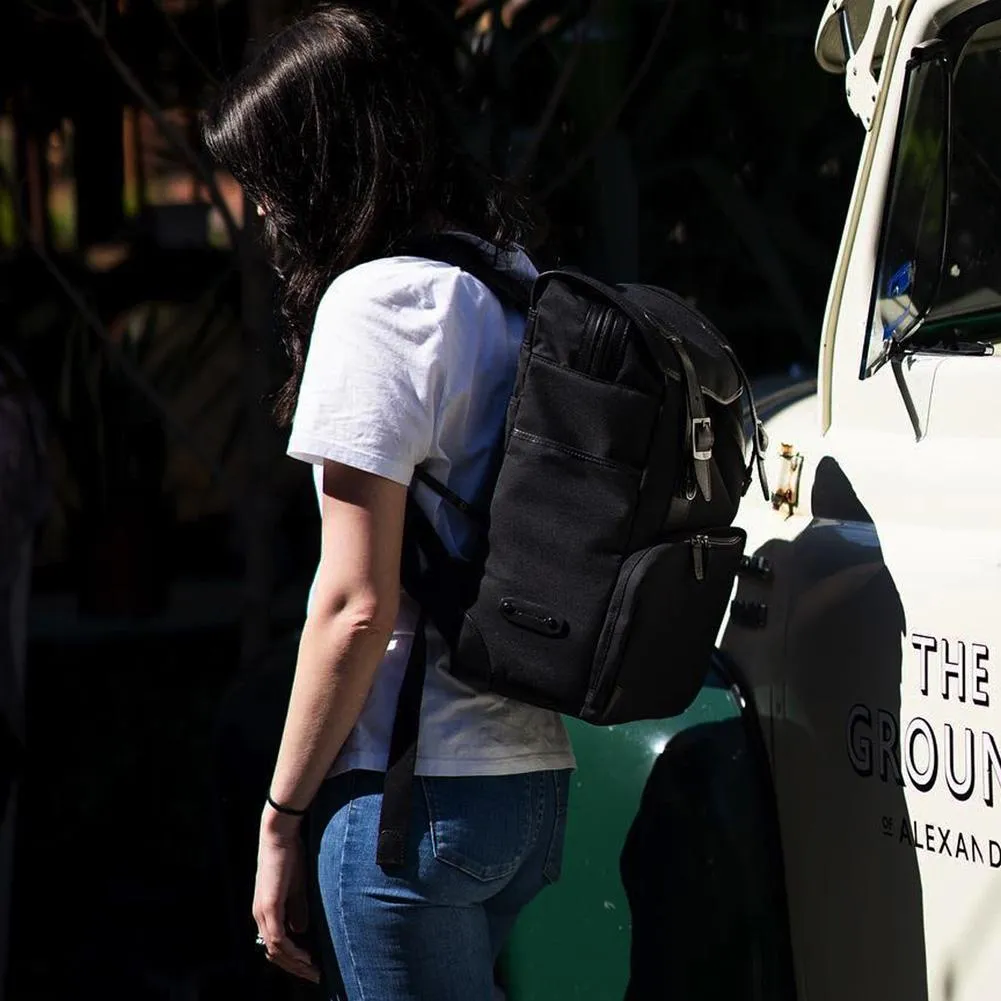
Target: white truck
{"x": 873, "y": 649}
{"x": 824, "y": 824}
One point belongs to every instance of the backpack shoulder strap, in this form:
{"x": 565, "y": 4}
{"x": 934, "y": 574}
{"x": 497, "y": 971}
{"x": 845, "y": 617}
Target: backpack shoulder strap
{"x": 422, "y": 557}
{"x": 397, "y": 790}
{"x": 477, "y": 515}
{"x": 427, "y": 576}
{"x": 512, "y": 290}
{"x": 426, "y": 565}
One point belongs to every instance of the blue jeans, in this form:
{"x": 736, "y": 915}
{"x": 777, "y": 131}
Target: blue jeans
{"x": 480, "y": 849}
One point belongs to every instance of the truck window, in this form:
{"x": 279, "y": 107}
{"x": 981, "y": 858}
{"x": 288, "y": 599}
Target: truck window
{"x": 971, "y": 275}
{"x": 939, "y": 279}
{"x": 911, "y": 251}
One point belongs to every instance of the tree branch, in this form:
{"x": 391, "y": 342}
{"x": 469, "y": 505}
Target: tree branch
{"x": 183, "y": 43}
{"x": 170, "y": 133}
{"x": 610, "y": 121}
{"x": 555, "y": 98}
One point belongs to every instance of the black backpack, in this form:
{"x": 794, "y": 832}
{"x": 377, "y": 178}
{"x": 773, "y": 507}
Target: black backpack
{"x": 607, "y": 555}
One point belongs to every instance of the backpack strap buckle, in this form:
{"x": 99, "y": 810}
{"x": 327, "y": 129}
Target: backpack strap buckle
{"x": 703, "y": 439}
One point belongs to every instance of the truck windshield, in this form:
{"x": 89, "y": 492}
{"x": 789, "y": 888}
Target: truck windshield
{"x": 950, "y": 280}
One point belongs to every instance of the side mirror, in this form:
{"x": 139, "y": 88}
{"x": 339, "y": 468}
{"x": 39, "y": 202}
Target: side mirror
{"x": 912, "y": 241}
{"x": 842, "y": 28}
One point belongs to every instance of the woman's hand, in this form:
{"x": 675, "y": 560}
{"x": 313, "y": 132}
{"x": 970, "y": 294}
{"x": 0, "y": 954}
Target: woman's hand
{"x": 280, "y": 894}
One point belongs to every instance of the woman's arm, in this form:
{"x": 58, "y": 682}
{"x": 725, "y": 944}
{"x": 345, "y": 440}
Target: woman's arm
{"x": 350, "y": 622}
{"x": 353, "y": 610}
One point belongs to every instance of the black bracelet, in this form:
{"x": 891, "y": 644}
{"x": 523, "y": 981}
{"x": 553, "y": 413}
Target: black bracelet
{"x": 288, "y": 811}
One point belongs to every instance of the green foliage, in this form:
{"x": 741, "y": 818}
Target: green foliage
{"x": 714, "y": 157}
{"x": 693, "y": 145}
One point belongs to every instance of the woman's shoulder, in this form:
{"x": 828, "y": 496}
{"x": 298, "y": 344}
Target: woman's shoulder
{"x": 399, "y": 302}
{"x": 400, "y": 282}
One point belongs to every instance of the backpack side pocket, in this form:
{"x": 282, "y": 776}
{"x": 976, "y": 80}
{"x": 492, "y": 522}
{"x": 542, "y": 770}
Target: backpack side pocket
{"x": 663, "y": 617}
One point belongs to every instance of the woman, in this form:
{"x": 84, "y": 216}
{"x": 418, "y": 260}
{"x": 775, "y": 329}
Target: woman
{"x": 338, "y": 136}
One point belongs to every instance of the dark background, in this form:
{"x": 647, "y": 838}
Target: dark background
{"x": 690, "y": 144}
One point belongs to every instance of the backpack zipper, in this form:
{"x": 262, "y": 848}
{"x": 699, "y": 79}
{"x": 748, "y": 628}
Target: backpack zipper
{"x": 701, "y": 544}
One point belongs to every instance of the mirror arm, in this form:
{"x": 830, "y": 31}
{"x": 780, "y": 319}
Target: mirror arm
{"x": 846, "y": 34}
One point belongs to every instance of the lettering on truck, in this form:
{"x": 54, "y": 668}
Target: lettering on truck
{"x": 917, "y": 753}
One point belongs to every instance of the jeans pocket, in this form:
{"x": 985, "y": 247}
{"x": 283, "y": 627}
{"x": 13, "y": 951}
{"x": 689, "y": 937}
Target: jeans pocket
{"x": 553, "y": 865}
{"x": 481, "y": 825}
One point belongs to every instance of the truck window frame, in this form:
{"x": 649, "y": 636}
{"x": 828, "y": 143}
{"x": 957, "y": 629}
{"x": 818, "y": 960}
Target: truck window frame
{"x": 946, "y": 50}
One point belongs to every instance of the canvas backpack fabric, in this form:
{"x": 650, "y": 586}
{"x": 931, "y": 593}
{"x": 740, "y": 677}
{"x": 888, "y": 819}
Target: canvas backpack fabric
{"x": 607, "y": 552}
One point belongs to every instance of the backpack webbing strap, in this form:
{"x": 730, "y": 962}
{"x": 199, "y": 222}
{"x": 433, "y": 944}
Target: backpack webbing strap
{"x": 398, "y": 787}
{"x": 425, "y": 565}
{"x": 759, "y": 437}
{"x": 472, "y": 512}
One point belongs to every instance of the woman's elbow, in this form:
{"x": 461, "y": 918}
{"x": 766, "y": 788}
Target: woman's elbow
{"x": 374, "y": 619}
{"x": 364, "y": 615}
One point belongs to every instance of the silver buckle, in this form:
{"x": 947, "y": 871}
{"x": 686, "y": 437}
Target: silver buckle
{"x": 702, "y": 439}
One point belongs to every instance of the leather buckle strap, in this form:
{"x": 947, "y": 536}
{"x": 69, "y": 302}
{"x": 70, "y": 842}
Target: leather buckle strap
{"x": 699, "y": 429}
{"x": 703, "y": 439}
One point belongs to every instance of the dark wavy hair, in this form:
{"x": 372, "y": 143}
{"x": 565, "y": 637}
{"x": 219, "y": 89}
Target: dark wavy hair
{"x": 342, "y": 135}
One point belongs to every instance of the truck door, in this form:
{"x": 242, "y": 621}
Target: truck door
{"x": 887, "y": 723}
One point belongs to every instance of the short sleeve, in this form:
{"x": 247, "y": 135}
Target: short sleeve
{"x": 372, "y": 372}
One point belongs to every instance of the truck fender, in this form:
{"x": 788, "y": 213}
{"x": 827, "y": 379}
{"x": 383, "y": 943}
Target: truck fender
{"x": 702, "y": 864}
{"x": 672, "y": 875}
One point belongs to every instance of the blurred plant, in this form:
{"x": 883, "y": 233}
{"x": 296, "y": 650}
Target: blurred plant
{"x": 113, "y": 436}
{"x": 696, "y": 146}
{"x": 185, "y": 349}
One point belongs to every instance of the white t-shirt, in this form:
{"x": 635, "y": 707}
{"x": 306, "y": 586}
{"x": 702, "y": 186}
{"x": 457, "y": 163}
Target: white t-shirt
{"x": 413, "y": 361}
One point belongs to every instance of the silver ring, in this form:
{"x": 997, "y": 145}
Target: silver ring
{"x": 260, "y": 940}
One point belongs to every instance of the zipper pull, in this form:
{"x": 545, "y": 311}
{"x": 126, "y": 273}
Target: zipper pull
{"x": 699, "y": 547}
